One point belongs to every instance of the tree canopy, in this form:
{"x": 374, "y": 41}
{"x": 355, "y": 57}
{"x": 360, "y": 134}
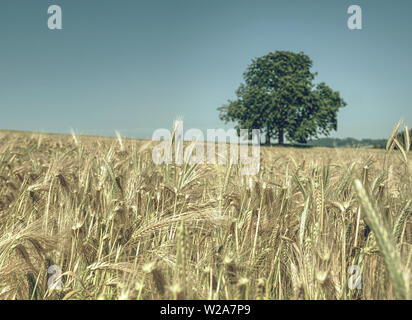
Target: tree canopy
{"x": 278, "y": 97}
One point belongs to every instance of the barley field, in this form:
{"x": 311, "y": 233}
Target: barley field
{"x": 86, "y": 217}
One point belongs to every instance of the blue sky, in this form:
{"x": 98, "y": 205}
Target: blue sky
{"x": 134, "y": 66}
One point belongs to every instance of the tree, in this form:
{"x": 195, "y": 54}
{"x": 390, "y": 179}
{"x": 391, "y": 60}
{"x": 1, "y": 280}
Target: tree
{"x": 278, "y": 96}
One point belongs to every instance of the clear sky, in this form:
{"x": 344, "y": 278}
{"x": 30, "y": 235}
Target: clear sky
{"x": 134, "y": 66}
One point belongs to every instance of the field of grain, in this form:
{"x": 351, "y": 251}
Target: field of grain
{"x": 98, "y": 217}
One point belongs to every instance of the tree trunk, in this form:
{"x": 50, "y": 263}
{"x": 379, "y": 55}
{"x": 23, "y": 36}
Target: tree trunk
{"x": 267, "y": 139}
{"x": 280, "y": 137}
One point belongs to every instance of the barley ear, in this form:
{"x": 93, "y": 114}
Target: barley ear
{"x": 407, "y": 139}
{"x": 390, "y": 142}
{"x": 385, "y": 242}
{"x": 119, "y": 139}
{"x": 76, "y": 142}
{"x": 401, "y": 149}
{"x": 400, "y": 221}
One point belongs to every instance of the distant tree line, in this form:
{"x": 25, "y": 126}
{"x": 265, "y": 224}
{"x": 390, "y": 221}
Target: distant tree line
{"x": 352, "y": 142}
{"x": 348, "y": 142}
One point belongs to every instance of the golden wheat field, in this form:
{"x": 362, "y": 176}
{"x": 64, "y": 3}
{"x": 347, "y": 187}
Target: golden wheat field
{"x": 101, "y": 220}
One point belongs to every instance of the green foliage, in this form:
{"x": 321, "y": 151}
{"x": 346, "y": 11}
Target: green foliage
{"x": 279, "y": 97}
